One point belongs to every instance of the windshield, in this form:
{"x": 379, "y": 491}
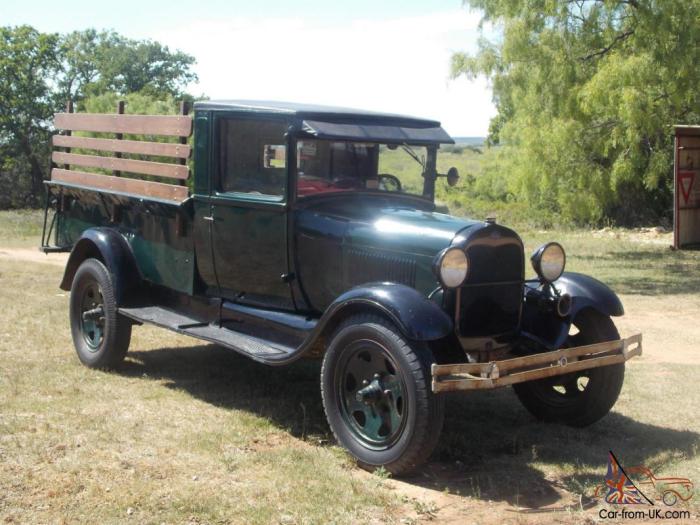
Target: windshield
{"x": 325, "y": 166}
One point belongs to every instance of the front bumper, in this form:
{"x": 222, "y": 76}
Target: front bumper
{"x": 495, "y": 374}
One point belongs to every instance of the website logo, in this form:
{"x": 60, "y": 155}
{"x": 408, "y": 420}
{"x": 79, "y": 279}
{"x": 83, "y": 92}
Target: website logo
{"x": 638, "y": 485}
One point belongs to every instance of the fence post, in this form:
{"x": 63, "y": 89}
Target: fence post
{"x": 69, "y": 109}
{"x": 119, "y": 136}
{"x": 184, "y": 111}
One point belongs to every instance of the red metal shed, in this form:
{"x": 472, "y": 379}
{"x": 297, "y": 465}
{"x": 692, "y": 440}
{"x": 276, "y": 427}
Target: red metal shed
{"x": 686, "y": 208}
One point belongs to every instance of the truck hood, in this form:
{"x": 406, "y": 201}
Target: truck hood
{"x": 408, "y": 231}
{"x": 383, "y": 226}
{"x": 344, "y": 241}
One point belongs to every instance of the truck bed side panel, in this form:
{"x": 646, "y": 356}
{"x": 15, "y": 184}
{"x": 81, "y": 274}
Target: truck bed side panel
{"x": 161, "y": 242}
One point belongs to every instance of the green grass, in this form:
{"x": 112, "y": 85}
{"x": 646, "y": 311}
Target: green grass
{"x": 399, "y": 163}
{"x": 631, "y": 262}
{"x": 21, "y": 228}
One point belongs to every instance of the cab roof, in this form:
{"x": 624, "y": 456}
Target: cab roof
{"x": 373, "y": 124}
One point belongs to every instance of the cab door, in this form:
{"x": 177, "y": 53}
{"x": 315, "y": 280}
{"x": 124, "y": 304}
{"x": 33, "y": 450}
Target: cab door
{"x": 249, "y": 211}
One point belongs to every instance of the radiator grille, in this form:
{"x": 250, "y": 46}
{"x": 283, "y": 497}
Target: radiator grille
{"x": 363, "y": 266}
{"x": 491, "y": 299}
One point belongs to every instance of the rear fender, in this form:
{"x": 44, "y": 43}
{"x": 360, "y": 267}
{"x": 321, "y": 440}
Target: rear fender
{"x": 110, "y": 247}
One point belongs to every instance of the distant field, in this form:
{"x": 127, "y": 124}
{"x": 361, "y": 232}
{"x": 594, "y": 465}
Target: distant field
{"x": 399, "y": 163}
{"x": 469, "y": 141}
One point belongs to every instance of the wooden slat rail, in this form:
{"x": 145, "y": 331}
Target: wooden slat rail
{"x": 136, "y": 147}
{"x": 170, "y": 125}
{"x": 143, "y": 167}
{"x": 107, "y": 153}
{"x": 145, "y": 188}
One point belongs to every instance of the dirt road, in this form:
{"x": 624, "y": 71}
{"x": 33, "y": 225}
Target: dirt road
{"x": 35, "y": 256}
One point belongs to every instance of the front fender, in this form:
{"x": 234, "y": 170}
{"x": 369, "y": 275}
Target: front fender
{"x": 417, "y": 317}
{"x": 588, "y": 292}
{"x": 544, "y": 325}
{"x": 109, "y": 246}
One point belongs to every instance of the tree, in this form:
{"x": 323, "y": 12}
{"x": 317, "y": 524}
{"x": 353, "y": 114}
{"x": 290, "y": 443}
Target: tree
{"x": 99, "y": 62}
{"x": 27, "y": 60}
{"x": 587, "y": 92}
{"x": 39, "y": 73}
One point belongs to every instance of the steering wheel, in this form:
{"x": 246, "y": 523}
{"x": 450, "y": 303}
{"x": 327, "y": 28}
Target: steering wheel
{"x": 389, "y": 182}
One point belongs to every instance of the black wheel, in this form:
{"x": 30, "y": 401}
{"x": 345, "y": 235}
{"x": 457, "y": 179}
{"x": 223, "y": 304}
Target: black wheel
{"x": 377, "y": 395}
{"x": 100, "y": 335}
{"x": 580, "y": 398}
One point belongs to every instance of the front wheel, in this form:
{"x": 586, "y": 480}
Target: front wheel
{"x": 580, "y": 398}
{"x": 377, "y": 396}
{"x": 100, "y": 335}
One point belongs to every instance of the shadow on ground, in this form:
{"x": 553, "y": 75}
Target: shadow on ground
{"x": 488, "y": 443}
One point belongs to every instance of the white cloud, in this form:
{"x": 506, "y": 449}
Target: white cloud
{"x": 399, "y": 65}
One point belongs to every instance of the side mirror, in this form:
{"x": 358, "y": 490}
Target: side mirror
{"x": 452, "y": 176}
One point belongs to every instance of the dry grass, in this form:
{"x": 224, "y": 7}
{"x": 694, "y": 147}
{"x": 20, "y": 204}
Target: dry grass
{"x": 189, "y": 433}
{"x": 182, "y": 434}
{"x": 21, "y": 228}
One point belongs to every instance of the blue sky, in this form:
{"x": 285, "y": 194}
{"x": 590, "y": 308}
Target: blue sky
{"x": 381, "y": 55}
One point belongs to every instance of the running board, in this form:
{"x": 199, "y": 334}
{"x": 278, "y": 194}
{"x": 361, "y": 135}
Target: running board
{"x": 254, "y": 347}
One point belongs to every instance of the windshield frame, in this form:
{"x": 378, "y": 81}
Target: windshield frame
{"x": 429, "y": 173}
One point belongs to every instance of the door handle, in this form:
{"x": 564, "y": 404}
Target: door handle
{"x": 209, "y": 218}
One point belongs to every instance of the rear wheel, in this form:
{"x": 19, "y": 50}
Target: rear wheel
{"x": 377, "y": 396}
{"x": 100, "y": 335}
{"x": 580, "y": 398}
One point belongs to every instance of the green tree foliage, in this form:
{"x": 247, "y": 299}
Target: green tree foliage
{"x": 138, "y": 103}
{"x": 98, "y": 62}
{"x": 27, "y": 59}
{"x": 587, "y": 92}
{"x": 39, "y": 73}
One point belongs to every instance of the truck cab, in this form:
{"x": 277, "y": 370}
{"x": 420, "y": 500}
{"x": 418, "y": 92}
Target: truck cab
{"x": 283, "y": 193}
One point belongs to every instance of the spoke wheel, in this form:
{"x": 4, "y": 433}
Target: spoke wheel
{"x": 377, "y": 397}
{"x": 372, "y": 394}
{"x": 92, "y": 316}
{"x": 100, "y": 335}
{"x": 583, "y": 397}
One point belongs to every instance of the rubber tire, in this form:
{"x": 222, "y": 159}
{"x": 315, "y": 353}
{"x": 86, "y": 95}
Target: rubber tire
{"x": 425, "y": 409}
{"x": 606, "y": 382}
{"x": 117, "y": 329}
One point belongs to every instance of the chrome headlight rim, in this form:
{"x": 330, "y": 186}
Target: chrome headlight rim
{"x": 451, "y": 267}
{"x": 544, "y": 270}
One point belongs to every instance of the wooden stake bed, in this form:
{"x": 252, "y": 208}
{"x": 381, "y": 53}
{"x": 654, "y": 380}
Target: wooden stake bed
{"x": 119, "y": 124}
{"x": 484, "y": 376}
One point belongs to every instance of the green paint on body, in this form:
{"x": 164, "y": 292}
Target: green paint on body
{"x": 160, "y": 261}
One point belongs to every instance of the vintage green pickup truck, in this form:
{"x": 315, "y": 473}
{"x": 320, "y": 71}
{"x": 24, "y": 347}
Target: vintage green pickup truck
{"x": 312, "y": 231}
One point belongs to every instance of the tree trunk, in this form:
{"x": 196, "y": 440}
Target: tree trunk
{"x": 36, "y": 172}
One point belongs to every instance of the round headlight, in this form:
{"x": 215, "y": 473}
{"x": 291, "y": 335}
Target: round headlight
{"x": 549, "y": 261}
{"x": 452, "y": 267}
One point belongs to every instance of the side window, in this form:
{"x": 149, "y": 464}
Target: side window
{"x": 253, "y": 157}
